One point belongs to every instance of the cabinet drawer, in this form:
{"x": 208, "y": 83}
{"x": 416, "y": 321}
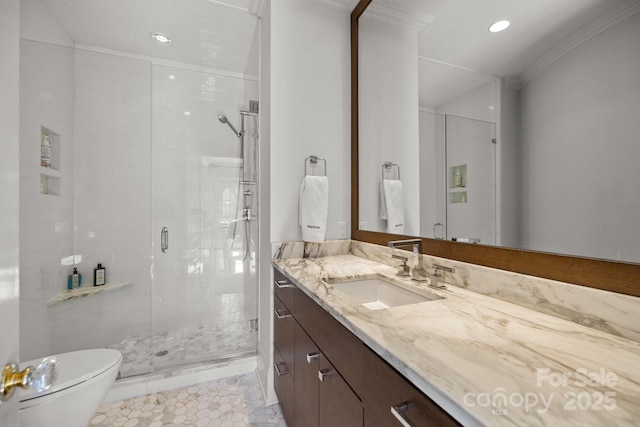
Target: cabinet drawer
{"x": 307, "y": 362}
{"x": 284, "y": 289}
{"x": 283, "y": 338}
{"x": 283, "y": 384}
{"x": 339, "y": 345}
{"x": 384, "y": 388}
{"x": 339, "y": 405}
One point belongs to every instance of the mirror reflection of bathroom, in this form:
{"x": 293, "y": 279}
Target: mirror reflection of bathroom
{"x": 559, "y": 85}
{"x": 125, "y": 164}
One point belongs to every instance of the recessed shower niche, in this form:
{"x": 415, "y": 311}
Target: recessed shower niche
{"x": 49, "y": 162}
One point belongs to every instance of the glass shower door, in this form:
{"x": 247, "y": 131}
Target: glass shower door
{"x": 471, "y": 180}
{"x": 203, "y": 299}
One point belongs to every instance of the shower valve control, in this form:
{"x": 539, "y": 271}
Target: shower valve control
{"x": 248, "y": 214}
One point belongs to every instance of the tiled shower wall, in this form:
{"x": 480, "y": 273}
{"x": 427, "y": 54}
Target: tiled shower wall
{"x": 102, "y": 107}
{"x": 112, "y": 200}
{"x": 46, "y": 220}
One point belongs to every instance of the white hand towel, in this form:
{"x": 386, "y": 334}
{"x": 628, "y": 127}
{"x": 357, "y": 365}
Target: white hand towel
{"x": 383, "y": 203}
{"x": 394, "y": 205}
{"x": 314, "y": 207}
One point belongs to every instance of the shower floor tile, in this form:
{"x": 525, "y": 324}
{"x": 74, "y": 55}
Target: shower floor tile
{"x": 228, "y": 402}
{"x": 142, "y": 355}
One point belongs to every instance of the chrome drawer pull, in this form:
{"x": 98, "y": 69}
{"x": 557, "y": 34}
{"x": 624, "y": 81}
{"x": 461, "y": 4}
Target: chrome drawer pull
{"x": 282, "y": 316}
{"x": 277, "y": 368}
{"x": 284, "y": 284}
{"x": 312, "y": 356}
{"x": 397, "y": 411}
{"x": 323, "y": 373}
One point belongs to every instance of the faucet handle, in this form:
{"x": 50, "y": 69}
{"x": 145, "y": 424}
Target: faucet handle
{"x": 403, "y": 270}
{"x": 437, "y": 267}
{"x": 435, "y": 276}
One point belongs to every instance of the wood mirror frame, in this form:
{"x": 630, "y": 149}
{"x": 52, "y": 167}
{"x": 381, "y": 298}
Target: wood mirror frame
{"x": 621, "y": 277}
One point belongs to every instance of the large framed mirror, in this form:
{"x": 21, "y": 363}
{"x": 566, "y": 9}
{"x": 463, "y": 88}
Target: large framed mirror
{"x": 522, "y": 146}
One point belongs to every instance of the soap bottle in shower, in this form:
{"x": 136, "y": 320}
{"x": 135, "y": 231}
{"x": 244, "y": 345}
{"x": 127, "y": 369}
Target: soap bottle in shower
{"x": 75, "y": 280}
{"x": 99, "y": 275}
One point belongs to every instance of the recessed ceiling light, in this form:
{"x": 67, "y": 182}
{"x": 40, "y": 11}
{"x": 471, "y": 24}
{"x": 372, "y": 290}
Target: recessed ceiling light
{"x": 161, "y": 38}
{"x": 499, "y": 26}
{"x": 172, "y": 77}
{"x": 187, "y": 113}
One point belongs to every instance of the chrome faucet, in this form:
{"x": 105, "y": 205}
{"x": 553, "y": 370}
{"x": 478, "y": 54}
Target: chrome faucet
{"x": 418, "y": 272}
{"x": 435, "y": 276}
{"x": 403, "y": 270}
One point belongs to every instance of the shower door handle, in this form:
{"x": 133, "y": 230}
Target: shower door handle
{"x": 164, "y": 240}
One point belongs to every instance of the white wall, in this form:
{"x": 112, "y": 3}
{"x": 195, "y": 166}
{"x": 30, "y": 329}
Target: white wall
{"x": 38, "y": 24}
{"x": 46, "y": 220}
{"x": 388, "y": 53}
{"x": 305, "y": 110}
{"x": 112, "y": 200}
{"x": 310, "y": 109}
{"x": 9, "y": 182}
{"x": 475, "y": 104}
{"x": 580, "y": 145}
{"x": 509, "y": 205}
{"x": 432, "y": 185}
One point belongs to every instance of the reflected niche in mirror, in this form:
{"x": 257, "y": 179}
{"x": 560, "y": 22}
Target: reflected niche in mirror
{"x": 527, "y": 138}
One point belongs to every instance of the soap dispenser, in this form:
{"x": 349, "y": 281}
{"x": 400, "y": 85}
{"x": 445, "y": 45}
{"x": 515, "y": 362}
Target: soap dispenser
{"x": 99, "y": 275}
{"x": 75, "y": 279}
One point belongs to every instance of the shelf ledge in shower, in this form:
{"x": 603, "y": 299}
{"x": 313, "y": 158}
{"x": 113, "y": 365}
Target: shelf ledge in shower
{"x": 85, "y": 291}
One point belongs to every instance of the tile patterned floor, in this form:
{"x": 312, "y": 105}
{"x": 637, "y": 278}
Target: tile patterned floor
{"x": 228, "y": 402}
{"x": 183, "y": 346}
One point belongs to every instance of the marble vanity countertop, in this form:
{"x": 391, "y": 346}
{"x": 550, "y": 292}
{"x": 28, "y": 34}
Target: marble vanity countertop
{"x": 485, "y": 361}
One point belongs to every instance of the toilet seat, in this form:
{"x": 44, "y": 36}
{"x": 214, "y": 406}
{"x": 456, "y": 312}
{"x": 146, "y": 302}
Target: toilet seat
{"x": 73, "y": 368}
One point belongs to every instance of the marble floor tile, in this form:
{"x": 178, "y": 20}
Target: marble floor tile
{"x": 142, "y": 355}
{"x": 228, "y": 402}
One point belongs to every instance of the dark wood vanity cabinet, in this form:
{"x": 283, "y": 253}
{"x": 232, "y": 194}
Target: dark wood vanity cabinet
{"x": 384, "y": 389}
{"x": 326, "y": 377}
{"x": 283, "y": 337}
{"x": 323, "y": 397}
{"x": 313, "y": 371}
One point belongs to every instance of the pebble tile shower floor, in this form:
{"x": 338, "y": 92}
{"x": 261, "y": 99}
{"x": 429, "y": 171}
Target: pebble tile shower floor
{"x": 228, "y": 402}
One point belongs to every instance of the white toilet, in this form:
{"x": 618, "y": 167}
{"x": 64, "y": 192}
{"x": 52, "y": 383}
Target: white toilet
{"x": 84, "y": 379}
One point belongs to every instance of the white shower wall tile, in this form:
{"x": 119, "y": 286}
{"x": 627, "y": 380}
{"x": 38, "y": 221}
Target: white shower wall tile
{"x": 113, "y": 218}
{"x": 46, "y": 100}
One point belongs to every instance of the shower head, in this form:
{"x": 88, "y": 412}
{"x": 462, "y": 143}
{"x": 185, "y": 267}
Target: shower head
{"x": 223, "y": 119}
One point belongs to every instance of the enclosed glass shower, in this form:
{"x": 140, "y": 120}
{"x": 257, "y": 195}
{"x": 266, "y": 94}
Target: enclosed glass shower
{"x": 146, "y": 181}
{"x": 458, "y": 192}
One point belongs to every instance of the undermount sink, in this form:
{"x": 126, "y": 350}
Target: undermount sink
{"x": 377, "y": 293}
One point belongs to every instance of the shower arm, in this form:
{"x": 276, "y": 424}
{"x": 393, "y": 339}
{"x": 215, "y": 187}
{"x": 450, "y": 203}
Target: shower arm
{"x": 223, "y": 119}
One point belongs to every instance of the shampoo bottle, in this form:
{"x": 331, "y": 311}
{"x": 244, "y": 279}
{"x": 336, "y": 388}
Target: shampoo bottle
{"x": 75, "y": 279}
{"x": 99, "y": 275}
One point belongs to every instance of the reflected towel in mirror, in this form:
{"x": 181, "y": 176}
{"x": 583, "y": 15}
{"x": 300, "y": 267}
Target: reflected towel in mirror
{"x": 392, "y": 205}
{"x": 314, "y": 208}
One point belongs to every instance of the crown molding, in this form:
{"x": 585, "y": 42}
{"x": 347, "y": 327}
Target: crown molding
{"x": 395, "y": 14}
{"x": 343, "y": 5}
{"x": 585, "y": 33}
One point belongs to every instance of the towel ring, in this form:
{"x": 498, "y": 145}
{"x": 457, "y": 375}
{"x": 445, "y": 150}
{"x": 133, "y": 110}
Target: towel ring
{"x": 390, "y": 168}
{"x": 311, "y": 164}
